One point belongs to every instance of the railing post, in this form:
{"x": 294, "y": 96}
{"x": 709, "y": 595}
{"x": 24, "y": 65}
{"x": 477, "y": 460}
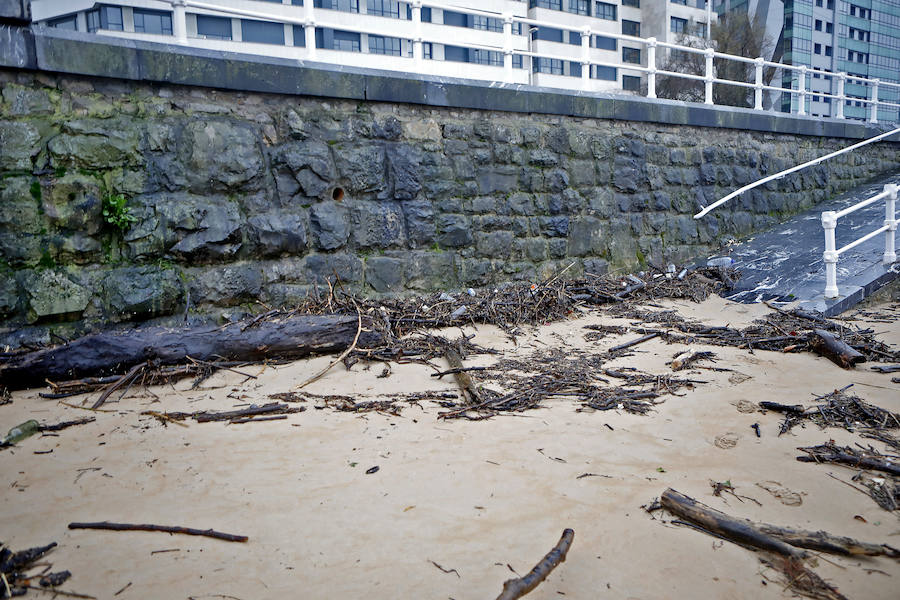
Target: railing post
{"x": 586, "y": 58}
{"x": 873, "y": 117}
{"x": 841, "y": 98}
{"x": 830, "y": 256}
{"x": 801, "y": 91}
{"x": 179, "y": 22}
{"x": 758, "y": 84}
{"x": 709, "y": 76}
{"x": 651, "y": 65}
{"x": 507, "y": 46}
{"x": 890, "y": 219}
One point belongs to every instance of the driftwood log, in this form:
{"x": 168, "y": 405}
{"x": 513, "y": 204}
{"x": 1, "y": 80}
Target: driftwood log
{"x": 516, "y": 588}
{"x": 108, "y": 353}
{"x": 834, "y": 349}
{"x": 781, "y": 540}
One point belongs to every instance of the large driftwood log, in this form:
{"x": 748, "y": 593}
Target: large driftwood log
{"x": 834, "y": 349}
{"x": 516, "y": 588}
{"x": 107, "y": 353}
{"x": 766, "y": 536}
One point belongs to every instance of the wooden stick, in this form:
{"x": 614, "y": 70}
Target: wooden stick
{"x": 343, "y": 354}
{"x": 516, "y": 588}
{"x": 257, "y": 420}
{"x": 228, "y": 537}
{"x": 861, "y": 462}
{"x": 640, "y": 340}
{"x": 127, "y": 378}
{"x": 64, "y": 424}
{"x": 462, "y": 377}
{"x": 767, "y": 536}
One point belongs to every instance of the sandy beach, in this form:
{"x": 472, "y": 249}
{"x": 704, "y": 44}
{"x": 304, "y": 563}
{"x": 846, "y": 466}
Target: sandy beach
{"x": 455, "y": 505}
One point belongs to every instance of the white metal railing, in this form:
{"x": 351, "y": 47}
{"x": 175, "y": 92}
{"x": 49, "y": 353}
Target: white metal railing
{"x": 310, "y": 18}
{"x": 829, "y": 224}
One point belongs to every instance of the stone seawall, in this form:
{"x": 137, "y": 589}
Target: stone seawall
{"x": 121, "y": 200}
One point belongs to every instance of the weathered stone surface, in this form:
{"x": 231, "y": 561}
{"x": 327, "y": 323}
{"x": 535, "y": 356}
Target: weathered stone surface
{"x": 96, "y": 144}
{"x": 377, "y": 224}
{"x": 74, "y": 202}
{"x": 384, "y": 274}
{"x": 585, "y": 237}
{"x": 361, "y": 167}
{"x": 278, "y": 232}
{"x": 199, "y": 228}
{"x": 430, "y": 270}
{"x": 403, "y": 177}
{"x": 495, "y": 244}
{"x": 420, "y": 228}
{"x": 324, "y": 267}
{"x": 219, "y": 156}
{"x": 227, "y": 285}
{"x": 9, "y": 294}
{"x": 25, "y": 101}
{"x": 453, "y": 231}
{"x": 312, "y": 166}
{"x": 329, "y": 223}
{"x": 19, "y": 209}
{"x": 51, "y": 293}
{"x": 142, "y": 292}
{"x": 19, "y": 144}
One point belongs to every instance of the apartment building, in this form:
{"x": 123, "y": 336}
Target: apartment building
{"x": 493, "y": 40}
{"x": 857, "y": 37}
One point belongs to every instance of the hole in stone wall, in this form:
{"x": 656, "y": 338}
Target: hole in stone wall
{"x": 338, "y": 194}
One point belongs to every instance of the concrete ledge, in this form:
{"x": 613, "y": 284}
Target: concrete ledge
{"x": 85, "y": 54}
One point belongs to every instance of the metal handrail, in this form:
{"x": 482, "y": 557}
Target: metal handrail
{"x": 829, "y": 224}
{"x": 781, "y": 174}
{"x": 311, "y": 19}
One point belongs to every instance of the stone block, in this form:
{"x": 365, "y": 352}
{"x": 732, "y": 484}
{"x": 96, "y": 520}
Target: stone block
{"x": 74, "y": 202}
{"x": 9, "y": 294}
{"x": 329, "y": 223}
{"x": 19, "y": 211}
{"x": 453, "y": 231}
{"x": 498, "y": 179}
{"x": 324, "y": 267}
{"x": 311, "y": 165}
{"x": 278, "y": 232}
{"x": 377, "y": 224}
{"x": 520, "y": 203}
{"x": 220, "y": 156}
{"x": 430, "y": 270}
{"x": 419, "y": 216}
{"x": 141, "y": 292}
{"x": 20, "y": 142}
{"x": 585, "y": 236}
{"x": 403, "y": 176}
{"x": 97, "y": 144}
{"x": 384, "y": 274}
{"x": 52, "y": 295}
{"x": 24, "y": 101}
{"x": 494, "y": 244}
{"x": 227, "y": 285}
{"x": 541, "y": 157}
{"x": 201, "y": 228}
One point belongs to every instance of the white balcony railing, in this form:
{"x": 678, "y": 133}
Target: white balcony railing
{"x": 509, "y": 45}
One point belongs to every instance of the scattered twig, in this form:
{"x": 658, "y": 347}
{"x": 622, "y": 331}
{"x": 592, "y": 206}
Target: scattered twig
{"x": 211, "y": 533}
{"x": 516, "y": 588}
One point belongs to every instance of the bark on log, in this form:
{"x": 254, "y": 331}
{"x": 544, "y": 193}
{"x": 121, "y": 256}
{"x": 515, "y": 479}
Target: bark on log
{"x": 463, "y": 379}
{"x": 516, "y": 588}
{"x": 858, "y": 462}
{"x": 767, "y": 536}
{"x": 108, "y": 353}
{"x": 834, "y": 349}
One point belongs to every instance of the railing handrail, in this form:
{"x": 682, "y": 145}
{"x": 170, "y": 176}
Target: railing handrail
{"x": 781, "y": 174}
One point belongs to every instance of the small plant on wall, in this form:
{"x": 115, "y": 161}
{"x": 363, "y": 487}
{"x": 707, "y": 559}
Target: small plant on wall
{"x": 117, "y": 213}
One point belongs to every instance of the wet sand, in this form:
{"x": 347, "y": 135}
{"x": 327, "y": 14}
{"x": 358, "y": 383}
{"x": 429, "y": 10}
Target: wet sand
{"x": 480, "y": 497}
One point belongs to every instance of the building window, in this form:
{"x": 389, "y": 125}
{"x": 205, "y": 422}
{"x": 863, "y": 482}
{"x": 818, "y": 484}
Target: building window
{"x": 549, "y": 4}
{"x": 632, "y": 3}
{"x": 105, "y": 17}
{"x": 828, "y": 51}
{"x": 427, "y": 50}
{"x": 152, "y": 21}
{"x": 677, "y": 25}
{"x": 487, "y": 23}
{"x": 601, "y": 42}
{"x": 262, "y": 32}
{"x": 604, "y": 73}
{"x": 632, "y": 28}
{"x": 335, "y": 39}
{"x": 341, "y": 5}
{"x": 580, "y": 7}
{"x": 383, "y": 8}
{"x": 70, "y": 22}
{"x": 631, "y": 55}
{"x": 604, "y": 10}
{"x": 213, "y": 28}
{"x": 818, "y": 25}
{"x": 631, "y": 83}
{"x": 817, "y": 48}
{"x": 681, "y": 2}
{"x": 829, "y": 27}
{"x": 297, "y": 2}
{"x": 819, "y": 3}
{"x": 552, "y": 66}
{"x": 384, "y": 45}
{"x": 299, "y": 36}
